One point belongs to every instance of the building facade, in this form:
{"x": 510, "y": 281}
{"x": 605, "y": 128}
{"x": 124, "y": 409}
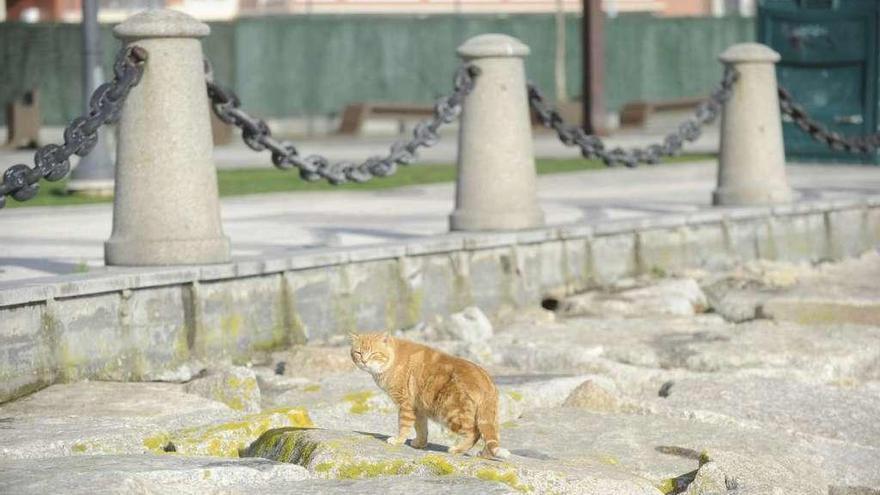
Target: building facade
{"x": 215, "y": 10}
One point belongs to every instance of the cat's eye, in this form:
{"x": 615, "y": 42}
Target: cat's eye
{"x": 356, "y": 353}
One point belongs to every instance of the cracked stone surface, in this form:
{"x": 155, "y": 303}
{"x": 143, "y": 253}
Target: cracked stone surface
{"x": 763, "y": 378}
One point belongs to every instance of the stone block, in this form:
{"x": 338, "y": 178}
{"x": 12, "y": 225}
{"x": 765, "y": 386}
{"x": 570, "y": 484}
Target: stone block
{"x": 372, "y": 297}
{"x": 27, "y": 359}
{"x": 663, "y": 251}
{"x": 848, "y": 232}
{"x": 434, "y": 285}
{"x": 797, "y": 238}
{"x": 92, "y": 342}
{"x": 741, "y": 238}
{"x": 492, "y": 278}
{"x": 238, "y": 317}
{"x": 314, "y": 304}
{"x": 577, "y": 264}
{"x": 159, "y": 329}
{"x": 613, "y": 257}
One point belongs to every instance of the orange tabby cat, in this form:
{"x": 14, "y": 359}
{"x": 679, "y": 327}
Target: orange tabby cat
{"x": 428, "y": 384}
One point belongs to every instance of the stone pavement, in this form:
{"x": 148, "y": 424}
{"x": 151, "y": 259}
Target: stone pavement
{"x": 40, "y": 241}
{"x": 654, "y": 385}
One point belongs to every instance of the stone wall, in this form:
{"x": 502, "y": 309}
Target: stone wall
{"x": 146, "y": 324}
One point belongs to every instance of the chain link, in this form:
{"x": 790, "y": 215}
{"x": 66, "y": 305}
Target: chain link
{"x": 257, "y": 135}
{"x": 818, "y": 131}
{"x": 52, "y": 162}
{"x": 593, "y": 147}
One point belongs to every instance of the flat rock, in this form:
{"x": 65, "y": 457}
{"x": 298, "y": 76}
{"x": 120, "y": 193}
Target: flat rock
{"x": 130, "y": 418}
{"x": 838, "y": 293}
{"x": 704, "y": 343}
{"x": 127, "y": 474}
{"x": 100, "y": 417}
{"x": 681, "y": 297}
{"x": 780, "y": 404}
{"x": 235, "y": 386}
{"x": 346, "y": 455}
{"x": 663, "y": 450}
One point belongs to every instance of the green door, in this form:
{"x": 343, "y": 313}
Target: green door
{"x": 829, "y": 61}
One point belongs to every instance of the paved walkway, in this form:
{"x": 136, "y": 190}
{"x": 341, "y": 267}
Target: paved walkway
{"x": 41, "y": 241}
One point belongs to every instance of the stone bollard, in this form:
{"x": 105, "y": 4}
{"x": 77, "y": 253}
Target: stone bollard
{"x": 166, "y": 210}
{"x": 495, "y": 189}
{"x": 751, "y": 169}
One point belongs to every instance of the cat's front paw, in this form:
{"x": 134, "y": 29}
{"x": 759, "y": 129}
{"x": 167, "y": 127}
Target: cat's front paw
{"x": 395, "y": 440}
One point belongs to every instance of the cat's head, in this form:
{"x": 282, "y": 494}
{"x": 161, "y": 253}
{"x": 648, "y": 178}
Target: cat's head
{"x": 372, "y": 352}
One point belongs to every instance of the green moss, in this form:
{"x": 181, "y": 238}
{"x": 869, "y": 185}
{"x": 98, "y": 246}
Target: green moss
{"x": 658, "y": 271}
{"x": 227, "y": 439}
{"x": 367, "y": 469}
{"x": 509, "y": 478}
{"x": 517, "y": 396}
{"x": 509, "y": 424}
{"x": 359, "y": 401}
{"x": 312, "y": 388}
{"x": 678, "y": 484}
{"x": 437, "y": 464}
{"x": 78, "y": 447}
{"x": 323, "y": 467}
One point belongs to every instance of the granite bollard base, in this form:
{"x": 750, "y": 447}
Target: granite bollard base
{"x": 139, "y": 252}
{"x": 470, "y": 220}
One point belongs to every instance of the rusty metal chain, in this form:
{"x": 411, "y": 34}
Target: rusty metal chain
{"x": 52, "y": 162}
{"x": 257, "y": 135}
{"x": 818, "y": 131}
{"x": 593, "y": 147}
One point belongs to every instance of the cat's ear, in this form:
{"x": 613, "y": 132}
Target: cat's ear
{"x": 353, "y": 337}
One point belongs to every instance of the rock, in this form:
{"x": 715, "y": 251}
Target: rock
{"x": 313, "y": 361}
{"x": 100, "y": 417}
{"x": 235, "y": 386}
{"x": 810, "y": 309}
{"x": 470, "y": 325}
{"x": 663, "y": 450}
{"x": 733, "y": 302}
{"x": 847, "y": 353}
{"x": 228, "y": 438}
{"x": 130, "y": 418}
{"x": 346, "y": 455}
{"x": 680, "y": 297}
{"x": 710, "y": 480}
{"x": 127, "y": 474}
{"x": 183, "y": 373}
{"x": 782, "y": 404}
{"x": 593, "y": 397}
{"x": 840, "y": 293}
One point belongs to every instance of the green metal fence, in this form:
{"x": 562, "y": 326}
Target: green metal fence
{"x": 315, "y": 65}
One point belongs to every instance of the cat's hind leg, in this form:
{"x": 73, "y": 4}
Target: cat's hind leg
{"x": 466, "y": 443}
{"x": 421, "y": 440}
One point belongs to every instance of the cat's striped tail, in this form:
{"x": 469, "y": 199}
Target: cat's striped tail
{"x": 487, "y": 425}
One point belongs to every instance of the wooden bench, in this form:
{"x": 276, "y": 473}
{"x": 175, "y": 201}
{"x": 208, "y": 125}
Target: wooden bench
{"x": 637, "y": 113}
{"x": 23, "y": 121}
{"x": 355, "y": 114}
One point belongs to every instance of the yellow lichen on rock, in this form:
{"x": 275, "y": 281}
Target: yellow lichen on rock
{"x": 358, "y": 401}
{"x": 509, "y": 478}
{"x": 372, "y": 469}
{"x": 226, "y": 439}
{"x": 437, "y": 464}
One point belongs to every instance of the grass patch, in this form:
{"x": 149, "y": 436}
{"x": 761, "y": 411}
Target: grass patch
{"x": 242, "y": 182}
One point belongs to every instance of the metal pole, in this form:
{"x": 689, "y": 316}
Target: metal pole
{"x": 95, "y": 172}
{"x": 593, "y": 52}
